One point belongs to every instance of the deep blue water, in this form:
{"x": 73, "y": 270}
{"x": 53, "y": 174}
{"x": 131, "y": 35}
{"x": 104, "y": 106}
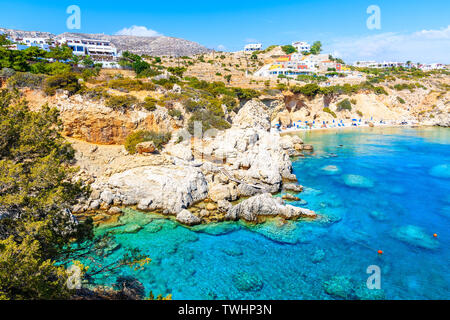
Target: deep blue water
{"x": 386, "y": 189}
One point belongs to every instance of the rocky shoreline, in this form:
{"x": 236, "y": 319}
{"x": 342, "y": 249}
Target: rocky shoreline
{"x": 201, "y": 179}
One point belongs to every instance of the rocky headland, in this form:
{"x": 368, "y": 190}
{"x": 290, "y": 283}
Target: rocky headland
{"x": 202, "y": 179}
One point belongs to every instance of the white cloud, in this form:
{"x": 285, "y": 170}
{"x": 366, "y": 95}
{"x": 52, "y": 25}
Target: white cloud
{"x": 251, "y": 40}
{"x": 139, "y": 31}
{"x": 424, "y": 46}
{"x": 221, "y": 47}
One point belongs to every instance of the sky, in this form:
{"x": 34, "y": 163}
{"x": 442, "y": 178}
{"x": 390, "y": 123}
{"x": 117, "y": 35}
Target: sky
{"x": 408, "y": 30}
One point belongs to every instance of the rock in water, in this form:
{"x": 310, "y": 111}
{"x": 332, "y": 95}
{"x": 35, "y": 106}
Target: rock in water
{"x": 441, "y": 171}
{"x": 318, "y": 256}
{"x": 186, "y": 217}
{"x": 246, "y": 282}
{"x": 377, "y": 215}
{"x": 264, "y": 205}
{"x": 330, "y": 170}
{"x": 415, "y": 236}
{"x": 356, "y": 181}
{"x": 340, "y": 287}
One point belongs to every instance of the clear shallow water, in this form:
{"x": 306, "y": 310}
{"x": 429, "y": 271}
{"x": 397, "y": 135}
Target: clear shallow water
{"x": 382, "y": 189}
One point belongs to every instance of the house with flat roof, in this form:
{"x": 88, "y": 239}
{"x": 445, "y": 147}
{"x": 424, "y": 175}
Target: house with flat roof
{"x": 301, "y": 46}
{"x": 101, "y": 50}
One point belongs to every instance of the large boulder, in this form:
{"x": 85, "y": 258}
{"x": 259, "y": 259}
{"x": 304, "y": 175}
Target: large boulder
{"x": 167, "y": 188}
{"x": 180, "y": 150}
{"x": 255, "y": 155}
{"x": 264, "y": 205}
{"x": 145, "y": 147}
{"x": 253, "y": 114}
{"x": 186, "y": 217}
{"x": 221, "y": 191}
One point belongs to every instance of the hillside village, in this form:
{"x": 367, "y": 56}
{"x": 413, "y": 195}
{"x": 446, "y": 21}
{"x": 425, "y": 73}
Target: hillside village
{"x": 392, "y": 91}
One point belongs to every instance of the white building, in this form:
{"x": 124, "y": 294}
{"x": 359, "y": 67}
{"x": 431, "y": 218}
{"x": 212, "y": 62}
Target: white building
{"x": 43, "y": 43}
{"x": 97, "y": 49}
{"x": 253, "y": 47}
{"x": 301, "y": 46}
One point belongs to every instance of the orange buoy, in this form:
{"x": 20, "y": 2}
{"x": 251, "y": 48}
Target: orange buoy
{"x": 435, "y": 235}
{"x": 380, "y": 251}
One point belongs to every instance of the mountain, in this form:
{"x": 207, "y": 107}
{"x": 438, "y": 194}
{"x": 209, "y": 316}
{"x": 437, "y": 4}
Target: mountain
{"x": 153, "y": 46}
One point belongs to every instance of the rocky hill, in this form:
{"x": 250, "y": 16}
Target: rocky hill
{"x": 154, "y": 46}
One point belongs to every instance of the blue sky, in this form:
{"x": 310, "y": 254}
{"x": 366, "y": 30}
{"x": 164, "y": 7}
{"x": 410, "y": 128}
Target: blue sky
{"x": 410, "y": 30}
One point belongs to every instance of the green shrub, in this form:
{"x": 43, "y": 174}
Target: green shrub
{"x": 309, "y": 90}
{"x": 344, "y": 105}
{"x": 89, "y": 73}
{"x": 246, "y": 94}
{"x": 175, "y": 113}
{"x": 95, "y": 93}
{"x": 26, "y": 80}
{"x": 158, "y": 138}
{"x": 7, "y": 72}
{"x": 208, "y": 121}
{"x": 50, "y": 68}
{"x": 353, "y": 101}
{"x": 121, "y": 102}
{"x": 399, "y": 99}
{"x": 128, "y": 84}
{"x": 359, "y": 113}
{"x": 379, "y": 90}
{"x": 66, "y": 81}
{"x": 328, "y": 110}
{"x": 288, "y": 49}
{"x": 150, "y": 103}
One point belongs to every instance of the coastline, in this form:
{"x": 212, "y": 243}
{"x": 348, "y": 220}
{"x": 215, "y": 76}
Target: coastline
{"x": 349, "y": 126}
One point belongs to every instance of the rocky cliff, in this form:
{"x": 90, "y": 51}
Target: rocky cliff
{"x": 197, "y": 179}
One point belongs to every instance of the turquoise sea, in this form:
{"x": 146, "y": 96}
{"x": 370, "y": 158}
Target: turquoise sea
{"x": 376, "y": 189}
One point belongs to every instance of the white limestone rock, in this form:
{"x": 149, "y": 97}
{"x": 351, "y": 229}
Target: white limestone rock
{"x": 166, "y": 188}
{"x": 265, "y": 205}
{"x": 253, "y": 114}
{"x": 187, "y": 218}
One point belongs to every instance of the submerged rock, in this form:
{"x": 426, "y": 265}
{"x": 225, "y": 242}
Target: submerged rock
{"x": 245, "y": 281}
{"x": 415, "y": 236}
{"x": 377, "y": 215}
{"x": 357, "y": 181}
{"x": 318, "y": 256}
{"x": 219, "y": 228}
{"x": 441, "y": 171}
{"x": 278, "y": 230}
{"x": 340, "y": 287}
{"x": 330, "y": 170}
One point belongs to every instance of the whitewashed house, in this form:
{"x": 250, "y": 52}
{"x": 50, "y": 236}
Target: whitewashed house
{"x": 301, "y": 46}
